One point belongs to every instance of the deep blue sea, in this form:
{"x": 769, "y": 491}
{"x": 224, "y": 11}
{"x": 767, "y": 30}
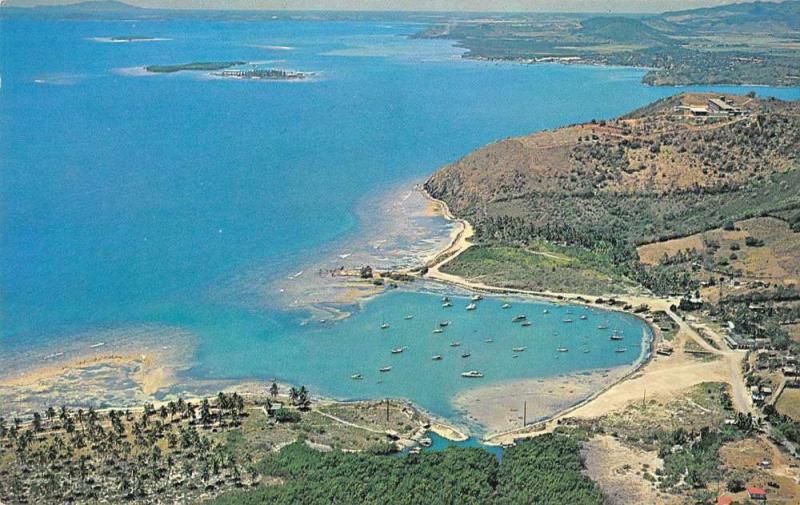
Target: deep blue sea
{"x": 129, "y": 200}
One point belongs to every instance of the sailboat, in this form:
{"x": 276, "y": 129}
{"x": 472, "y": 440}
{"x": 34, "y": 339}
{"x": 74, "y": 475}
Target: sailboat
{"x": 506, "y": 306}
{"x": 385, "y": 326}
{"x": 398, "y": 350}
{"x": 472, "y": 306}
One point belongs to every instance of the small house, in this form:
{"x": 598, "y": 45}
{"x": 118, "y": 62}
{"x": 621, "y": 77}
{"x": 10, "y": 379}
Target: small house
{"x": 757, "y": 493}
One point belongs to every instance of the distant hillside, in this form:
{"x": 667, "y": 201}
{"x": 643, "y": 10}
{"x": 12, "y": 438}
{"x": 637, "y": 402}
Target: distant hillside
{"x": 744, "y": 17}
{"x": 622, "y": 30}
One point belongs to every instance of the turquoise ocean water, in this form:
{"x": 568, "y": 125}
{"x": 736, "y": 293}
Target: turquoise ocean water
{"x": 129, "y": 200}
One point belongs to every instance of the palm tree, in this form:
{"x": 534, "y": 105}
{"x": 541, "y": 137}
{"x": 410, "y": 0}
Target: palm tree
{"x": 51, "y": 414}
{"x": 294, "y": 393}
{"x": 273, "y": 389}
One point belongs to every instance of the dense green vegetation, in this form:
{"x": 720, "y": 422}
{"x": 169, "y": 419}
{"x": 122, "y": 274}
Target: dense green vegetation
{"x": 752, "y": 43}
{"x": 545, "y": 470}
{"x": 195, "y": 66}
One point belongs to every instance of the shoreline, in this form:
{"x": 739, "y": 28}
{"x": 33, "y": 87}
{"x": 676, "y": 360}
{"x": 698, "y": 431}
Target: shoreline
{"x": 459, "y": 241}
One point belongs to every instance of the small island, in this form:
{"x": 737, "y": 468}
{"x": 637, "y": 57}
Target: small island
{"x": 228, "y": 69}
{"x": 132, "y": 38}
{"x": 194, "y": 67}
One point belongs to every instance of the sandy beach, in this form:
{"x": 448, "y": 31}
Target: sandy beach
{"x": 501, "y": 407}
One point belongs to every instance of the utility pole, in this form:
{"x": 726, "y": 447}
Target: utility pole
{"x": 525, "y": 414}
{"x": 387, "y": 409}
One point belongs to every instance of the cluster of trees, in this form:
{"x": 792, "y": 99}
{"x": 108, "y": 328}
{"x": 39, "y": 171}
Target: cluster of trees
{"x": 545, "y": 470}
{"x": 82, "y": 455}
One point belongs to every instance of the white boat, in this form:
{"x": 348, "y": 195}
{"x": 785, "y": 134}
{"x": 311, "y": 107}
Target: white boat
{"x": 447, "y": 305}
{"x": 438, "y": 330}
{"x": 437, "y": 358}
{"x": 356, "y": 376}
{"x": 472, "y": 374}
{"x": 518, "y": 349}
{"x": 567, "y": 320}
{"x": 476, "y": 298}
{"x": 562, "y": 349}
{"x": 455, "y": 344}
{"x": 425, "y": 442}
{"x": 616, "y": 336}
{"x": 602, "y": 326}
{"x": 398, "y": 350}
{"x": 519, "y": 318}
{"x": 545, "y": 311}
{"x": 444, "y": 323}
{"x": 583, "y": 317}
{"x": 409, "y": 317}
{"x": 472, "y": 306}
{"x": 526, "y": 323}
{"x": 385, "y": 326}
{"x": 385, "y": 369}
{"x": 489, "y": 340}
{"x": 621, "y": 349}
{"x": 466, "y": 354}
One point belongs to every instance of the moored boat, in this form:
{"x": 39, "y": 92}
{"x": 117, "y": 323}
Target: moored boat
{"x": 472, "y": 374}
{"x": 438, "y": 330}
{"x": 562, "y": 349}
{"x": 437, "y": 358}
{"x": 444, "y": 323}
{"x": 455, "y": 344}
{"x": 506, "y": 306}
{"x": 356, "y": 376}
{"x": 567, "y": 320}
{"x": 476, "y": 298}
{"x": 385, "y": 369}
{"x": 447, "y": 305}
{"x": 621, "y": 349}
{"x": 525, "y": 323}
{"x": 519, "y": 318}
{"x": 518, "y": 349}
{"x": 385, "y": 326}
{"x": 398, "y": 350}
{"x": 466, "y": 354}
{"x": 409, "y": 317}
{"x": 472, "y": 306}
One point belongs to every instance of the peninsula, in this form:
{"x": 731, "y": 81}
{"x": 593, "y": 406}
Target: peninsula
{"x": 742, "y": 43}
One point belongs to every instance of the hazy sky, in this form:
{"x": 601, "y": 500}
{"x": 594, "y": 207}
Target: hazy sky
{"x": 423, "y": 5}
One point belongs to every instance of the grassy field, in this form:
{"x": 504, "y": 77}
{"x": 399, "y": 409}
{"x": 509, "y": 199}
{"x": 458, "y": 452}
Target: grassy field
{"x": 789, "y": 403}
{"x": 535, "y": 269}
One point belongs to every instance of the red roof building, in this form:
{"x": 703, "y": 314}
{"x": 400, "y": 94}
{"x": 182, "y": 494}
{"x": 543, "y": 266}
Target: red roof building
{"x": 757, "y": 493}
